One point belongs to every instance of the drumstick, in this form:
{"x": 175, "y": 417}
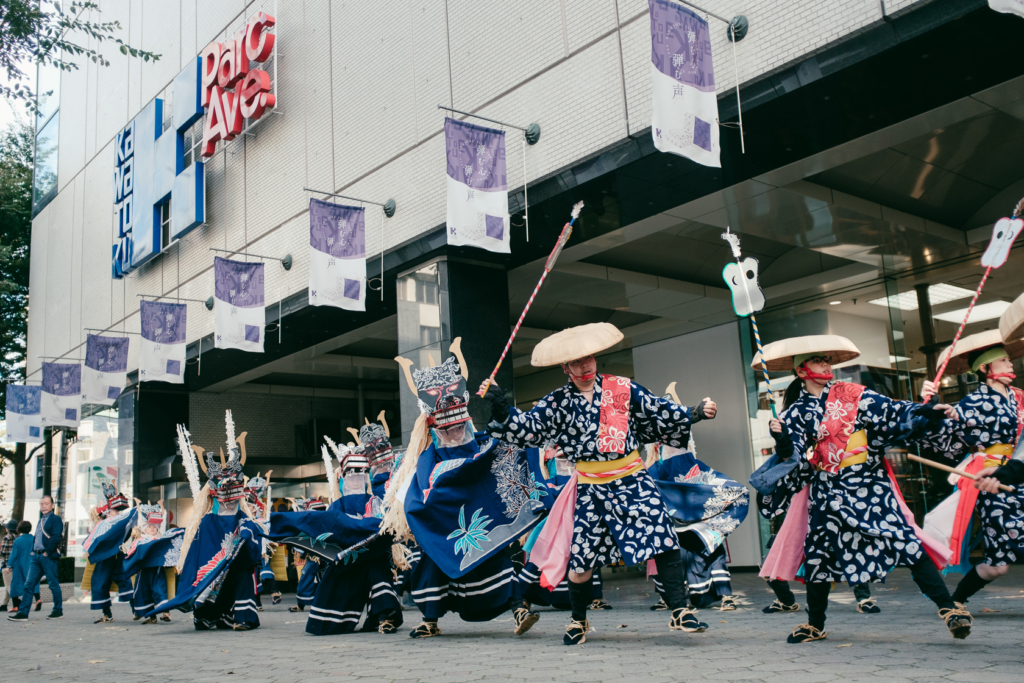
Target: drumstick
{"x": 951, "y": 470}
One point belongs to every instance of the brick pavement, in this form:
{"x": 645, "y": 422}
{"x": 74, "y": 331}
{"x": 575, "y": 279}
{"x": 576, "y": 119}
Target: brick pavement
{"x": 907, "y": 641}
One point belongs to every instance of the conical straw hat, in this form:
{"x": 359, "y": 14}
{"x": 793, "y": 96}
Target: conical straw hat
{"x": 574, "y": 343}
{"x": 1011, "y": 322}
{"x": 779, "y": 355}
{"x": 975, "y": 342}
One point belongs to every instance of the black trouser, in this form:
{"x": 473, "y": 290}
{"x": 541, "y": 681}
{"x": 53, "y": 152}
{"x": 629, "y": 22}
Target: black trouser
{"x": 782, "y": 591}
{"x": 862, "y": 592}
{"x": 925, "y": 575}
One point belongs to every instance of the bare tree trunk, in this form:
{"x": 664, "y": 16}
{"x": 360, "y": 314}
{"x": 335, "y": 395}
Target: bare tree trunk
{"x": 19, "y": 482}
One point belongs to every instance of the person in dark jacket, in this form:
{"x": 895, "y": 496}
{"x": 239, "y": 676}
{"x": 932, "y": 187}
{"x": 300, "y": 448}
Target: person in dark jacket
{"x": 19, "y": 561}
{"x": 45, "y": 553}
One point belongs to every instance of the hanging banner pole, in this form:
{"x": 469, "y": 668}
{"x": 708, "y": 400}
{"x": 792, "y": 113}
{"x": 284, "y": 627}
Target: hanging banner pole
{"x": 548, "y": 265}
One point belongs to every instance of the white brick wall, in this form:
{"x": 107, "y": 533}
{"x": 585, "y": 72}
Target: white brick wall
{"x": 358, "y": 84}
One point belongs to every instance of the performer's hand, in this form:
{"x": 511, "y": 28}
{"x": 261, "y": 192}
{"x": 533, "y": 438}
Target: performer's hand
{"x": 487, "y": 385}
{"x": 987, "y": 484}
{"x": 710, "y": 408}
{"x": 775, "y": 425}
{"x": 499, "y": 406}
{"x": 947, "y": 410}
{"x": 928, "y": 390}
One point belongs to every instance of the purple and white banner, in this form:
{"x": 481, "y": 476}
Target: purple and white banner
{"x": 477, "y": 186}
{"x": 684, "y": 118}
{"x": 1008, "y": 6}
{"x": 61, "y": 402}
{"x": 238, "y": 313}
{"x": 162, "y": 349}
{"x": 337, "y": 255}
{"x": 106, "y": 369}
{"x": 24, "y": 423}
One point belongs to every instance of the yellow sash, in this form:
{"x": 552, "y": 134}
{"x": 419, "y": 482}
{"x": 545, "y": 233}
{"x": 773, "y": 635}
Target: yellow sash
{"x": 998, "y": 449}
{"x": 858, "y": 439}
{"x": 623, "y": 467}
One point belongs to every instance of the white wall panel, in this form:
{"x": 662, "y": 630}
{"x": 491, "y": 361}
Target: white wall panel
{"x": 723, "y": 443}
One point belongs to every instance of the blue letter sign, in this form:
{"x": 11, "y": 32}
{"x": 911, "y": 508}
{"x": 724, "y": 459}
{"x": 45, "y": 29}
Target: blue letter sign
{"x": 149, "y": 172}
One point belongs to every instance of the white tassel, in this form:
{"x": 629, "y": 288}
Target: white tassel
{"x": 229, "y": 426}
{"x": 188, "y": 458}
{"x": 331, "y": 484}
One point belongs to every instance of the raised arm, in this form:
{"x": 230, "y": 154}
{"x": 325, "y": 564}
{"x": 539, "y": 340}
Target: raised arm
{"x": 661, "y": 420}
{"x": 536, "y": 427}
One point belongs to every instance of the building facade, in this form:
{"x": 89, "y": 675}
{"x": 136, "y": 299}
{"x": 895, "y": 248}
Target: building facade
{"x": 880, "y": 143}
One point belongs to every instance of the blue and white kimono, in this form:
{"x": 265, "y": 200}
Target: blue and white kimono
{"x": 148, "y": 557}
{"x": 361, "y": 581}
{"x": 218, "y": 580}
{"x": 624, "y": 519}
{"x": 104, "y": 548}
{"x": 466, "y": 505}
{"x": 305, "y": 587}
{"x": 986, "y": 418}
{"x": 528, "y": 574}
{"x": 706, "y": 507}
{"x": 857, "y": 531}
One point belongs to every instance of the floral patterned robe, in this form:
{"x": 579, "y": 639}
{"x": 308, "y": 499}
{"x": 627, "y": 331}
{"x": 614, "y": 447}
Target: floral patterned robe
{"x": 987, "y": 418}
{"x": 857, "y": 532}
{"x": 624, "y": 519}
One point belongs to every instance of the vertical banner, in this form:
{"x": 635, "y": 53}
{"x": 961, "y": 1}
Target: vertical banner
{"x": 61, "y": 401}
{"x": 684, "y": 117}
{"x": 24, "y": 423}
{"x": 162, "y": 350}
{"x": 106, "y": 369}
{"x": 477, "y": 186}
{"x": 238, "y": 314}
{"x": 337, "y": 256}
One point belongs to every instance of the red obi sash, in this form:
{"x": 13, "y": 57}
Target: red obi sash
{"x": 1018, "y": 394}
{"x": 837, "y": 426}
{"x": 614, "y": 424}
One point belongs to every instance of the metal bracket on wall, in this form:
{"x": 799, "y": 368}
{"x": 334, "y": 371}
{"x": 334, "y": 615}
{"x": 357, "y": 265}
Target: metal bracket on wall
{"x": 286, "y": 261}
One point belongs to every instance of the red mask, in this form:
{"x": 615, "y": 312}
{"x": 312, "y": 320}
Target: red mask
{"x": 816, "y": 376}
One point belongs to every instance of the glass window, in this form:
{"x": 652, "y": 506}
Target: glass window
{"x": 47, "y": 93}
{"x": 40, "y": 469}
{"x": 44, "y": 184}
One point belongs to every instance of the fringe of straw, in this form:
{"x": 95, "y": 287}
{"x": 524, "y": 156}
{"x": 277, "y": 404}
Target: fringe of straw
{"x": 394, "y": 521}
{"x": 200, "y": 506}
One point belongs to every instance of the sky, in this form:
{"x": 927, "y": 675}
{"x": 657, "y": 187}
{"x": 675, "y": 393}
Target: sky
{"x": 10, "y": 113}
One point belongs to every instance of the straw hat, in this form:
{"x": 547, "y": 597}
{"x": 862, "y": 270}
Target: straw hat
{"x": 1011, "y": 322}
{"x": 574, "y": 343}
{"x": 779, "y": 355}
{"x": 975, "y": 342}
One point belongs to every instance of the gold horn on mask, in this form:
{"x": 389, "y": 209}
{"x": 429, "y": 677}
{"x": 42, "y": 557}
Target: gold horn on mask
{"x": 407, "y": 369}
{"x": 199, "y": 456}
{"x": 456, "y": 348}
{"x": 671, "y": 391}
{"x": 241, "y": 446}
{"x": 387, "y": 432}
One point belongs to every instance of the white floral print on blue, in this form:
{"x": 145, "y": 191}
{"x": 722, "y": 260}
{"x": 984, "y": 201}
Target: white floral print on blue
{"x": 624, "y": 519}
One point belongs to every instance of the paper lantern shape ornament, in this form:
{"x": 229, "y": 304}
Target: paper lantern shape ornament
{"x": 741, "y": 277}
{"x": 1004, "y": 233}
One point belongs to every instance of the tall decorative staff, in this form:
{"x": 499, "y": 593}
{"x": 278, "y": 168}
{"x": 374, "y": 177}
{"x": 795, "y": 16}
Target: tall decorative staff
{"x": 548, "y": 265}
{"x": 747, "y": 297}
{"x": 1004, "y": 232}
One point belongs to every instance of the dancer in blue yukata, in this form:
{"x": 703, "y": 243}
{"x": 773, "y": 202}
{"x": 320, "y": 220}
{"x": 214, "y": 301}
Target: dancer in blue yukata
{"x": 309, "y": 577}
{"x": 845, "y": 517}
{"x": 104, "y": 548}
{"x": 149, "y": 554}
{"x": 222, "y": 545}
{"x": 256, "y": 490}
{"x": 464, "y": 498}
{"x": 552, "y": 470}
{"x": 988, "y": 428}
{"x": 612, "y": 509}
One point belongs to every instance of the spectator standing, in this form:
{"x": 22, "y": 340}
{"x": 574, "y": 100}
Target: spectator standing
{"x": 20, "y": 561}
{"x": 45, "y": 553}
{"x": 6, "y": 544}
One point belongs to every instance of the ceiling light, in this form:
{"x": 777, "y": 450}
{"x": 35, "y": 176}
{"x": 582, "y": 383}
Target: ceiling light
{"x": 937, "y": 294}
{"x": 893, "y": 360}
{"x": 989, "y": 311}
{"x": 834, "y": 303}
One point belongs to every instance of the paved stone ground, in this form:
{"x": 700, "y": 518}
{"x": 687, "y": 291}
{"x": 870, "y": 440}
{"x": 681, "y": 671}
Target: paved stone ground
{"x": 907, "y": 641}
